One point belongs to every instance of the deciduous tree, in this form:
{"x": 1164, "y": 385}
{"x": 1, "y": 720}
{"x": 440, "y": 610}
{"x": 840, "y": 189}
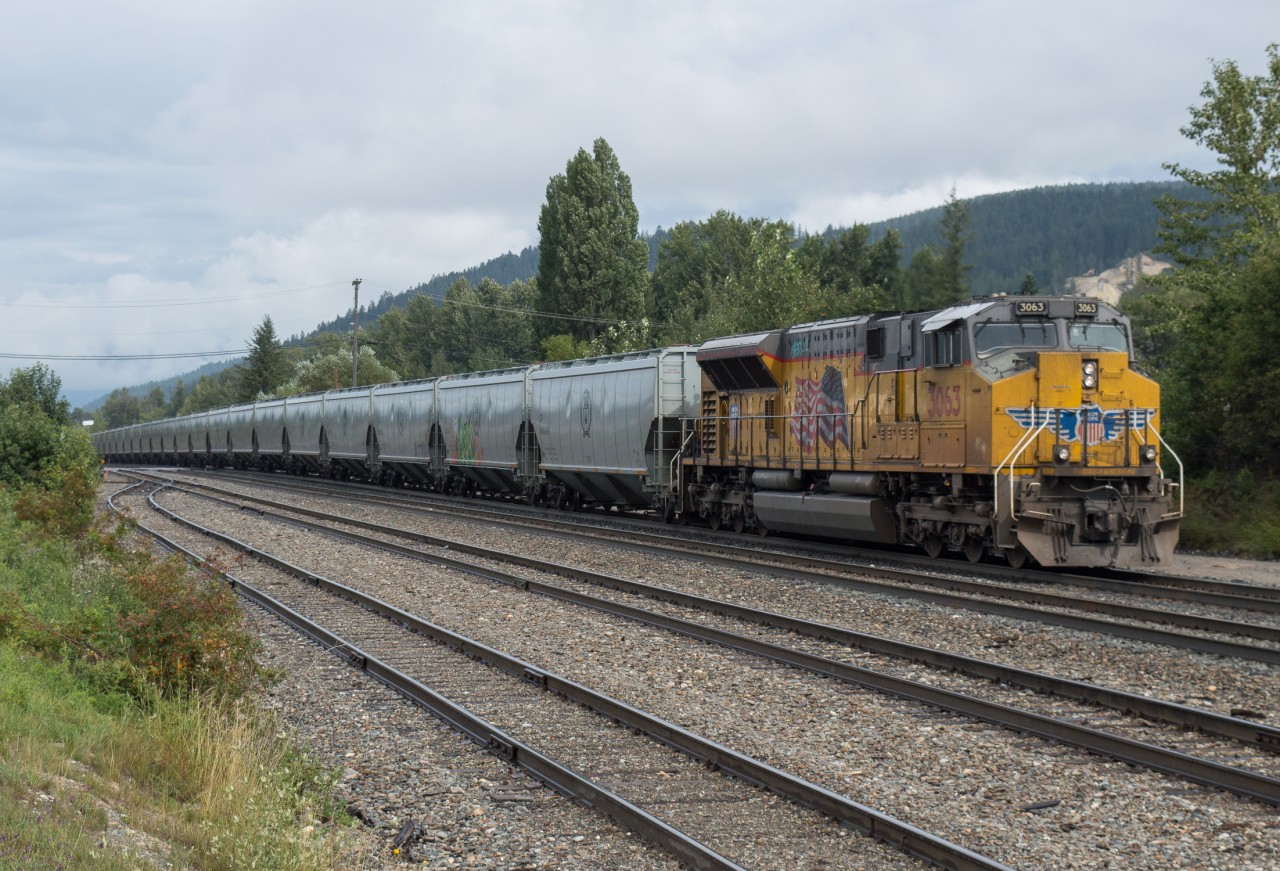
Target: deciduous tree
{"x": 1209, "y": 324}
{"x": 37, "y": 387}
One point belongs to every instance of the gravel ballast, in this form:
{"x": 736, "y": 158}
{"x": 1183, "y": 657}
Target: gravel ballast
{"x": 1023, "y": 801}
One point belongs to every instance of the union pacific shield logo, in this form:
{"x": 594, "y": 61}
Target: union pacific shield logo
{"x": 1091, "y": 424}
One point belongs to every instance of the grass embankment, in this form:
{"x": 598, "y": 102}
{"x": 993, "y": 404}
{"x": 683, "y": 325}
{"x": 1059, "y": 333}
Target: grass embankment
{"x": 1233, "y": 514}
{"x": 125, "y": 722}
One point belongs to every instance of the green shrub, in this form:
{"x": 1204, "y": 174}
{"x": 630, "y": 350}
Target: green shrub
{"x": 1233, "y": 513}
{"x": 60, "y": 499}
{"x": 27, "y": 438}
{"x": 187, "y": 633}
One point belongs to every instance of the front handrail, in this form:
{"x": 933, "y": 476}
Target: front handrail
{"x": 1181, "y": 472}
{"x": 1026, "y": 440}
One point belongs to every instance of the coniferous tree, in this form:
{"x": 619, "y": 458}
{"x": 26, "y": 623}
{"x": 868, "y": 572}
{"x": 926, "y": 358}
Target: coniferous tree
{"x": 956, "y": 237}
{"x": 266, "y": 367}
{"x": 177, "y": 398}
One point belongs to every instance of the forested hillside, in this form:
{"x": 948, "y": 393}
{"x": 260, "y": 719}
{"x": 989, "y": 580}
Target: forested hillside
{"x": 1054, "y": 233}
{"x": 504, "y": 270}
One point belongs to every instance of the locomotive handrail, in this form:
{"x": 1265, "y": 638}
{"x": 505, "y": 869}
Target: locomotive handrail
{"x": 1018, "y": 448}
{"x": 1178, "y": 460}
{"x": 675, "y": 474}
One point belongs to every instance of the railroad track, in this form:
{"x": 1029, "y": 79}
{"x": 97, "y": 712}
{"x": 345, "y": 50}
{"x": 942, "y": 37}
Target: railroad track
{"x": 1219, "y": 636}
{"x": 1231, "y": 595}
{"x": 1225, "y": 752}
{"x": 703, "y": 802}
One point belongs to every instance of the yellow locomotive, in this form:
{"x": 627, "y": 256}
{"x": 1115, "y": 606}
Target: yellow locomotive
{"x": 1011, "y": 426}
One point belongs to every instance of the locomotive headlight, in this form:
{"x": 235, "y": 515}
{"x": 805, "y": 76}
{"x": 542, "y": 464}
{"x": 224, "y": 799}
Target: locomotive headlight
{"x": 1089, "y": 374}
{"x": 1147, "y": 453}
{"x": 1061, "y": 453}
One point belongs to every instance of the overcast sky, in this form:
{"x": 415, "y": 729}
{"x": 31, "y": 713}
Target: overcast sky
{"x": 172, "y": 172}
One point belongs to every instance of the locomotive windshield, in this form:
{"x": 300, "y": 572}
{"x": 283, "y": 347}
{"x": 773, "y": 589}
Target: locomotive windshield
{"x": 1104, "y": 337}
{"x": 990, "y": 337}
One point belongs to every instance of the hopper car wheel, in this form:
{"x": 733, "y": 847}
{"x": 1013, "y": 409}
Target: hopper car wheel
{"x": 669, "y": 511}
{"x": 973, "y": 550}
{"x": 932, "y": 546}
{"x": 1017, "y": 557}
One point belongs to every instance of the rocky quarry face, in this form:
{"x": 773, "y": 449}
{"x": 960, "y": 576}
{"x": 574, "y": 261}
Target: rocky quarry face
{"x": 1112, "y": 284}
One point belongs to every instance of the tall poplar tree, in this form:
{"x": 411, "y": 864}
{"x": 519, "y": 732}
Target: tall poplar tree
{"x": 592, "y": 264}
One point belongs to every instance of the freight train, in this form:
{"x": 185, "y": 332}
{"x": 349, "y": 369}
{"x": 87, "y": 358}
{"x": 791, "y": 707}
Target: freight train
{"x": 1006, "y": 427}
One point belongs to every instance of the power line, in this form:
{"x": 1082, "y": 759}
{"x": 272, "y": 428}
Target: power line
{"x": 166, "y": 303}
{"x": 117, "y": 334}
{"x": 185, "y": 355}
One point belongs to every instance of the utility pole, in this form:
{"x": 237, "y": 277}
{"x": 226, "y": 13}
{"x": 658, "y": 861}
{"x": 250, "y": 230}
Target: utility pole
{"x": 355, "y": 329}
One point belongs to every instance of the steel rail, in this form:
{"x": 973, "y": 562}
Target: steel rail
{"x": 873, "y": 823}
{"x": 559, "y": 777}
{"x": 1239, "y": 781}
{"x": 1207, "y": 591}
{"x": 1089, "y": 624}
{"x": 1204, "y": 591}
{"x": 1260, "y": 735}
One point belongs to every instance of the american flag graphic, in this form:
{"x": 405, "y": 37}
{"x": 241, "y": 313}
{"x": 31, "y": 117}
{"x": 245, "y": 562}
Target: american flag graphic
{"x": 1095, "y": 426}
{"x": 1091, "y": 422}
{"x": 818, "y": 412}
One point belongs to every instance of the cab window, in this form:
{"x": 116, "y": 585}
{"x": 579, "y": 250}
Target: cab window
{"x": 1102, "y": 337}
{"x": 990, "y": 338}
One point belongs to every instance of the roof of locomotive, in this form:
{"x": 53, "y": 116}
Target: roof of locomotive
{"x": 933, "y": 319}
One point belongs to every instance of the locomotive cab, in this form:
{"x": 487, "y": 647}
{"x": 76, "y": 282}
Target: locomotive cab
{"x": 1079, "y": 477}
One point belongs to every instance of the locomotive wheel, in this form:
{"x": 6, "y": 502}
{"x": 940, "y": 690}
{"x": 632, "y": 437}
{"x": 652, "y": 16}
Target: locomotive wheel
{"x": 932, "y": 546}
{"x": 973, "y": 550}
{"x": 1017, "y": 557}
{"x": 713, "y": 519}
{"x": 739, "y": 523}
